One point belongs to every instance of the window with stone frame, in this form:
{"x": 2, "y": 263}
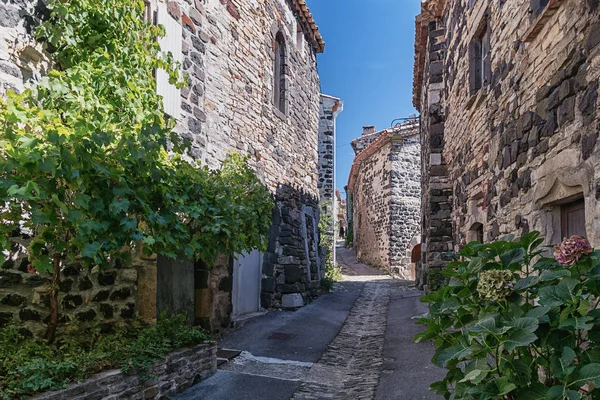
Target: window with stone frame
{"x": 299, "y": 37}
{"x": 170, "y": 43}
{"x": 149, "y": 15}
{"x": 279, "y": 90}
{"x": 537, "y": 6}
{"x": 572, "y": 219}
{"x": 480, "y": 68}
{"x": 475, "y": 233}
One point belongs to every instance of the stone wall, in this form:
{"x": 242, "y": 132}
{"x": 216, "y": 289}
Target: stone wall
{"x": 525, "y": 143}
{"x": 329, "y": 109}
{"x": 213, "y": 288}
{"x": 177, "y": 372}
{"x": 109, "y": 295}
{"x": 292, "y": 268}
{"x": 22, "y": 59}
{"x": 436, "y": 186}
{"x": 405, "y": 201}
{"x": 371, "y": 203}
{"x": 384, "y": 187}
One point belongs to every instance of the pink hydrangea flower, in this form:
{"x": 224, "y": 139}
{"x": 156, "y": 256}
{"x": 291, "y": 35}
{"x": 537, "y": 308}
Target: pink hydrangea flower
{"x": 568, "y": 252}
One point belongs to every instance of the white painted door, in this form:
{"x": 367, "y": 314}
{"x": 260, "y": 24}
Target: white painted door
{"x": 247, "y": 273}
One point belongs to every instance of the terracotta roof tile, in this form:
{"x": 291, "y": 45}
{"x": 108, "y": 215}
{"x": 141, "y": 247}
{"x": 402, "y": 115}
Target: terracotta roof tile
{"x": 310, "y": 25}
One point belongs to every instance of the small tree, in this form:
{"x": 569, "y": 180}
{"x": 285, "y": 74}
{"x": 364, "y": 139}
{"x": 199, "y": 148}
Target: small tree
{"x": 84, "y": 163}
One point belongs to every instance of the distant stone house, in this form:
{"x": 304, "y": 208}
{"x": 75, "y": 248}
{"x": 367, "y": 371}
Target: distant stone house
{"x": 508, "y": 98}
{"x": 384, "y": 195}
{"x": 253, "y": 87}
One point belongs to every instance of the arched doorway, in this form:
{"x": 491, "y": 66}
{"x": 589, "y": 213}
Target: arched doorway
{"x": 415, "y": 254}
{"x": 415, "y": 257}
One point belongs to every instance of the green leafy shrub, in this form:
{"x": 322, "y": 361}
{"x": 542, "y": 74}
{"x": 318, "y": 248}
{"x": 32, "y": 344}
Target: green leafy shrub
{"x": 512, "y": 324}
{"x": 349, "y": 234}
{"x": 28, "y": 365}
{"x": 333, "y": 274}
{"x": 434, "y": 279}
{"x": 89, "y": 163}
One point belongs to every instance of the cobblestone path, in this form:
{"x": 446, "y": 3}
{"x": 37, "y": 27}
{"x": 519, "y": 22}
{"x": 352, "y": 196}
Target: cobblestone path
{"x": 350, "y": 367}
{"x": 352, "y": 344}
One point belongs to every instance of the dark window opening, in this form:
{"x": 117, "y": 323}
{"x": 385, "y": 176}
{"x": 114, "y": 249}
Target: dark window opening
{"x": 537, "y": 6}
{"x": 480, "y": 59}
{"x": 572, "y": 221}
{"x": 476, "y": 233}
{"x": 149, "y": 15}
{"x": 279, "y": 73}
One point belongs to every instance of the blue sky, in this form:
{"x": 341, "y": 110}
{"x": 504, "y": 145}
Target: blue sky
{"x": 368, "y": 64}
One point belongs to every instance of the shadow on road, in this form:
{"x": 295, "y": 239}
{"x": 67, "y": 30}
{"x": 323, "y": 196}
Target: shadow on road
{"x": 352, "y": 343}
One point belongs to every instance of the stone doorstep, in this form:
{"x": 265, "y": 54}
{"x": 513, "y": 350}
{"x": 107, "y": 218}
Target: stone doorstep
{"x": 241, "y": 320}
{"x": 224, "y": 356}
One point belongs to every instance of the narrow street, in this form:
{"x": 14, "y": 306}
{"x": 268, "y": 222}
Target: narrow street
{"x": 352, "y": 343}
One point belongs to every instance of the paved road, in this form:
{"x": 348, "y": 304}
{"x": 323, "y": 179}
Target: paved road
{"x": 352, "y": 343}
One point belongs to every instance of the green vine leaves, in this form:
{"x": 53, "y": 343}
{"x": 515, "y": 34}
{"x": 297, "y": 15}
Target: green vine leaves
{"x": 90, "y": 164}
{"x": 513, "y": 324}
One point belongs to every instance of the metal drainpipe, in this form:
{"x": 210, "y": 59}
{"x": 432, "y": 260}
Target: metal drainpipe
{"x": 335, "y": 201}
{"x": 339, "y": 109}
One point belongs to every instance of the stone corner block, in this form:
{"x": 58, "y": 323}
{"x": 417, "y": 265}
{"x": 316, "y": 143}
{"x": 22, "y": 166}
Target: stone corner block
{"x": 292, "y": 300}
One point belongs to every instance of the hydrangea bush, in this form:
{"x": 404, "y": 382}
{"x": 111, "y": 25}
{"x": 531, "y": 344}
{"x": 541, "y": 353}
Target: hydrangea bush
{"x": 514, "y": 324}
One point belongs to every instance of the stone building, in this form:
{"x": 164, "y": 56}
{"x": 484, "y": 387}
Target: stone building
{"x": 330, "y": 108}
{"x": 384, "y": 193}
{"x": 253, "y": 88}
{"x": 508, "y": 98}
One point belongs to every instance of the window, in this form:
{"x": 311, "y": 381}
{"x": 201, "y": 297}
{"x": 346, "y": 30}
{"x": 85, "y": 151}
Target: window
{"x": 475, "y": 234}
{"x": 279, "y": 73}
{"x": 572, "y": 219}
{"x": 299, "y": 37}
{"x": 480, "y": 59}
{"x": 537, "y": 6}
{"x": 149, "y": 16}
{"x": 170, "y": 43}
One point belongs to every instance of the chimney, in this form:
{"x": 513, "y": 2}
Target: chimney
{"x": 368, "y": 129}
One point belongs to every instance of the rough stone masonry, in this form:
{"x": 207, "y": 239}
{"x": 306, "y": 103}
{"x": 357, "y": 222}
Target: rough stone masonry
{"x": 508, "y": 97}
{"x": 329, "y": 109}
{"x": 238, "y": 57}
{"x": 385, "y": 190}
{"x": 229, "y": 52}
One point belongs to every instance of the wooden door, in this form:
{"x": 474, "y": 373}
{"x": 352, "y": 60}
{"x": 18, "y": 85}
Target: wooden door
{"x": 175, "y": 287}
{"x": 573, "y": 219}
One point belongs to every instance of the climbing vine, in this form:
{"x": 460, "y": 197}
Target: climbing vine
{"x": 332, "y": 272}
{"x": 89, "y": 164}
